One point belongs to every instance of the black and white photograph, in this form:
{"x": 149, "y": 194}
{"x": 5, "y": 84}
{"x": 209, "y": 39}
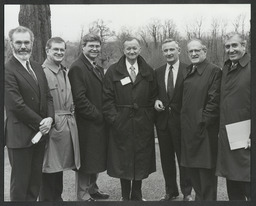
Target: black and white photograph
{"x": 127, "y": 102}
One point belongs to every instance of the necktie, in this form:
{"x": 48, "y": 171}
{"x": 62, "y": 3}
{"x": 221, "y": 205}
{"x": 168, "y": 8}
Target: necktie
{"x": 132, "y": 73}
{"x": 170, "y": 85}
{"x": 31, "y": 72}
{"x": 64, "y": 72}
{"x": 193, "y": 69}
{"x": 233, "y": 66}
{"x": 97, "y": 70}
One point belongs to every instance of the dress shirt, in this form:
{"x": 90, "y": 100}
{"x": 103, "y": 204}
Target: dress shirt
{"x": 23, "y": 63}
{"x": 175, "y": 70}
{"x": 135, "y": 65}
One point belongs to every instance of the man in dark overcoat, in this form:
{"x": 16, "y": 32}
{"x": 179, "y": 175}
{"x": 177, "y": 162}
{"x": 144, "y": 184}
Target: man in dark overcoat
{"x": 170, "y": 79}
{"x": 235, "y": 107}
{"x": 29, "y": 110}
{"x": 86, "y": 84}
{"x": 200, "y": 121}
{"x": 129, "y": 94}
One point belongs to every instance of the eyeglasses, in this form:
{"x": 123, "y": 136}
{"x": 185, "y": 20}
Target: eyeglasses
{"x": 197, "y": 51}
{"x": 57, "y": 50}
{"x": 19, "y": 43}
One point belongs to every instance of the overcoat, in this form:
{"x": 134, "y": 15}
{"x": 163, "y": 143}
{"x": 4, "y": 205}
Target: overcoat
{"x": 128, "y": 108}
{"x": 235, "y": 106}
{"x": 86, "y": 87}
{"x": 200, "y": 116}
{"x": 26, "y": 103}
{"x": 62, "y": 149}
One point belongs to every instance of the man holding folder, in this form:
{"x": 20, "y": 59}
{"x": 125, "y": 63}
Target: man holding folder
{"x": 233, "y": 155}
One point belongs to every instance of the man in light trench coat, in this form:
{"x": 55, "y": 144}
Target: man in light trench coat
{"x": 62, "y": 149}
{"x": 235, "y": 107}
{"x": 129, "y": 94}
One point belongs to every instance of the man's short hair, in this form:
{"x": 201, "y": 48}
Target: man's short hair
{"x": 200, "y": 41}
{"x": 232, "y": 34}
{"x": 54, "y": 40}
{"x": 130, "y": 38}
{"x": 170, "y": 40}
{"x": 90, "y": 37}
{"x": 21, "y": 29}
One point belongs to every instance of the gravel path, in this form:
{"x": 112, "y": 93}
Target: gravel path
{"x": 153, "y": 186}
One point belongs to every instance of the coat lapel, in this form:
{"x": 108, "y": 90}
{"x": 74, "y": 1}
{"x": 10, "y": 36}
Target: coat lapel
{"x": 19, "y": 68}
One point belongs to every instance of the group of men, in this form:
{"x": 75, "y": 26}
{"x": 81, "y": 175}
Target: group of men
{"x": 91, "y": 122}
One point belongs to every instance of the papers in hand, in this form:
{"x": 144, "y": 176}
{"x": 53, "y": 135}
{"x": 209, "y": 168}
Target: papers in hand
{"x": 238, "y": 134}
{"x": 37, "y": 137}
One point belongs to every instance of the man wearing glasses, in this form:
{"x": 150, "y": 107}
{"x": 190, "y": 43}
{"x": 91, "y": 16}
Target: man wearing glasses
{"x": 62, "y": 149}
{"x": 200, "y": 121}
{"x": 30, "y": 111}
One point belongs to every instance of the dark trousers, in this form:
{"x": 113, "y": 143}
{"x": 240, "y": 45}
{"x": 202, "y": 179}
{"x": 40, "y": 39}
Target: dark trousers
{"x": 52, "y": 187}
{"x": 204, "y": 183}
{"x": 131, "y": 189}
{"x": 238, "y": 190}
{"x": 26, "y": 173}
{"x": 169, "y": 145}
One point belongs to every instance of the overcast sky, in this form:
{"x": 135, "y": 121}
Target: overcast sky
{"x": 68, "y": 20}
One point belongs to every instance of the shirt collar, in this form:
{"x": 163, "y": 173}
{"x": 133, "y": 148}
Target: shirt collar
{"x": 52, "y": 66}
{"x": 135, "y": 65}
{"x": 89, "y": 60}
{"x": 175, "y": 66}
{"x": 21, "y": 61}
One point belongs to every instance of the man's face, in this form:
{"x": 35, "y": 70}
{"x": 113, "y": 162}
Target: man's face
{"x": 92, "y": 49}
{"x": 56, "y": 53}
{"x": 132, "y": 49}
{"x": 234, "y": 48}
{"x": 171, "y": 52}
{"x": 22, "y": 45}
{"x": 195, "y": 52}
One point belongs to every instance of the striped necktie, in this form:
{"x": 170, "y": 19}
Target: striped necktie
{"x": 132, "y": 73}
{"x": 31, "y": 72}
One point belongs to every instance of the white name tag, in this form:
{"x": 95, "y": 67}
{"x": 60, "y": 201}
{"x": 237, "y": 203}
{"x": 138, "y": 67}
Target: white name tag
{"x": 125, "y": 81}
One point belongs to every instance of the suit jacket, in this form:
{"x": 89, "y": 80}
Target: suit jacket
{"x": 176, "y": 101}
{"x": 86, "y": 87}
{"x": 26, "y": 103}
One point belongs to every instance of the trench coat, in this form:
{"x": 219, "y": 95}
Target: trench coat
{"x": 128, "y": 109}
{"x": 200, "y": 116}
{"x": 235, "y": 106}
{"x": 86, "y": 88}
{"x": 62, "y": 148}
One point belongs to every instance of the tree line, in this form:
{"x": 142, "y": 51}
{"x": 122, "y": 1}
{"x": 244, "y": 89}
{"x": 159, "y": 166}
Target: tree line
{"x": 151, "y": 35}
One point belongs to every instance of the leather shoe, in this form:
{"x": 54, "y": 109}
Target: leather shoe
{"x": 90, "y": 200}
{"x": 188, "y": 198}
{"x": 124, "y": 199}
{"x": 168, "y": 197}
{"x": 100, "y": 195}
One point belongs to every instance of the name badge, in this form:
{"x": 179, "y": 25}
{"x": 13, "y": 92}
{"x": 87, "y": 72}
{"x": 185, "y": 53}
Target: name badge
{"x": 125, "y": 81}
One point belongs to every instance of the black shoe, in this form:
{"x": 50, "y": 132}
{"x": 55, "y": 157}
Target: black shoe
{"x": 169, "y": 197}
{"x": 124, "y": 199}
{"x": 187, "y": 198}
{"x": 99, "y": 195}
{"x": 90, "y": 200}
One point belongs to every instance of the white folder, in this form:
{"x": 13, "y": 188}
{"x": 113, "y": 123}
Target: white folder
{"x": 238, "y": 134}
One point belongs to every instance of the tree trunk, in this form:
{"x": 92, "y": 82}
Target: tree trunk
{"x": 38, "y": 19}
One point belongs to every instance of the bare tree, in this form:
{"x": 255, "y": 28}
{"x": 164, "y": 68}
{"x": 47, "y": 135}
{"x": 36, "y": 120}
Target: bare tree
{"x": 154, "y": 30}
{"x": 37, "y": 18}
{"x": 169, "y": 29}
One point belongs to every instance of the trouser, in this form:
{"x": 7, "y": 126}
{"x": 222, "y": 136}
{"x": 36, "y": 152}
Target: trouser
{"x": 238, "y": 190}
{"x": 26, "y": 172}
{"x": 131, "y": 189}
{"x": 85, "y": 185}
{"x": 52, "y": 187}
{"x": 169, "y": 145}
{"x": 204, "y": 183}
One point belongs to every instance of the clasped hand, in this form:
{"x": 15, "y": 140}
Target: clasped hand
{"x": 45, "y": 125}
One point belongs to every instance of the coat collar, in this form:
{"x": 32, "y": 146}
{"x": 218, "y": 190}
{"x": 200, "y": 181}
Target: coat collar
{"x": 200, "y": 67}
{"x": 52, "y": 66}
{"x": 121, "y": 67}
{"x": 243, "y": 61}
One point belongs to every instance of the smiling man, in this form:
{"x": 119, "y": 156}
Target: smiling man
{"x": 129, "y": 94}
{"x": 29, "y": 109}
{"x": 62, "y": 148}
{"x": 235, "y": 107}
{"x": 170, "y": 79}
{"x": 200, "y": 121}
{"x": 86, "y": 85}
